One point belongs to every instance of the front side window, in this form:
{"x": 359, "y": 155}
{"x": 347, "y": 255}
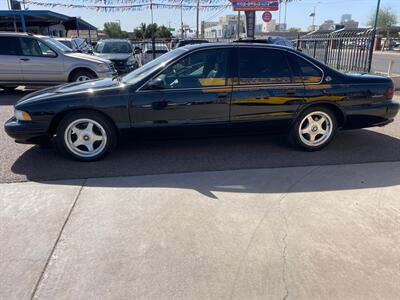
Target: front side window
{"x": 263, "y": 66}
{"x": 202, "y": 68}
{"x": 33, "y": 47}
{"x": 303, "y": 70}
{"x": 9, "y": 45}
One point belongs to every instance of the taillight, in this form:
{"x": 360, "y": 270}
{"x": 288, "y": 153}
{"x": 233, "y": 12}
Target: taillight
{"x": 389, "y": 93}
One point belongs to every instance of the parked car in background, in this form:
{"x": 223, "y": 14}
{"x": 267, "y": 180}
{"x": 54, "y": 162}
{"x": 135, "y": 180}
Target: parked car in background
{"x": 27, "y": 59}
{"x": 76, "y": 44}
{"x": 120, "y": 52}
{"x": 180, "y": 43}
{"x": 208, "y": 86}
{"x": 146, "y": 53}
{"x": 271, "y": 40}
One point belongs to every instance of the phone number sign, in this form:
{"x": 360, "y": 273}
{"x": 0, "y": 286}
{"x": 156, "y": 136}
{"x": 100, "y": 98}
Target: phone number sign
{"x": 255, "y": 5}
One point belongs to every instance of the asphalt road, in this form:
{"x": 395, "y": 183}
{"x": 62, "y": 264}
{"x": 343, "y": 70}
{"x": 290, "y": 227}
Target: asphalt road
{"x": 142, "y": 156}
{"x": 380, "y": 61}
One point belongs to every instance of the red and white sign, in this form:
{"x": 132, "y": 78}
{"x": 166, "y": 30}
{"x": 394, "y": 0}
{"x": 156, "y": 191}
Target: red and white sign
{"x": 267, "y": 16}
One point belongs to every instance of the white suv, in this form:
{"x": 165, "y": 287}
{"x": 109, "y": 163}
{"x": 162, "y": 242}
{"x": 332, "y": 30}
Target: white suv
{"x": 27, "y": 59}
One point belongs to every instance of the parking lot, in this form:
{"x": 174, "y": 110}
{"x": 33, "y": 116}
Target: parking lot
{"x": 220, "y": 217}
{"x": 188, "y": 153}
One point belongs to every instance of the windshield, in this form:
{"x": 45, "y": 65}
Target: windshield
{"x": 67, "y": 43}
{"x": 113, "y": 47}
{"x": 58, "y": 45}
{"x": 148, "y": 68}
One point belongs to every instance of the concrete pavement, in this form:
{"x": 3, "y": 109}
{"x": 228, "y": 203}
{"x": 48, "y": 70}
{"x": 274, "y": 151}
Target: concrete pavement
{"x": 322, "y": 232}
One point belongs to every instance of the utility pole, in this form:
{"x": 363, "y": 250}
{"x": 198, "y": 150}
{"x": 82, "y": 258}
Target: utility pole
{"x": 313, "y": 18}
{"x": 284, "y": 19}
{"x": 197, "y": 19}
{"x": 182, "y": 19}
{"x": 279, "y": 19}
{"x": 238, "y": 26}
{"x": 372, "y": 46}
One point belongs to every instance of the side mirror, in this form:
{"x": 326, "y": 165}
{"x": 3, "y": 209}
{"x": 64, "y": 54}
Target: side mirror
{"x": 156, "y": 84}
{"x": 50, "y": 53}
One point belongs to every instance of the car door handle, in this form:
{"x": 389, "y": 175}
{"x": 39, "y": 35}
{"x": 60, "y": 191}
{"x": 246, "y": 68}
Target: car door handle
{"x": 24, "y": 59}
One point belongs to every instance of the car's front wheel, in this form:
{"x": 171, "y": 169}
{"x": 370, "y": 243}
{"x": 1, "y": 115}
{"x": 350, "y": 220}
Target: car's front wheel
{"x": 82, "y": 75}
{"x": 86, "y": 136}
{"x": 314, "y": 128}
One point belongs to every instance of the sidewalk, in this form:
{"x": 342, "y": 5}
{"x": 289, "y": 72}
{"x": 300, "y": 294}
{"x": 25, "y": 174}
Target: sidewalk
{"x": 327, "y": 232}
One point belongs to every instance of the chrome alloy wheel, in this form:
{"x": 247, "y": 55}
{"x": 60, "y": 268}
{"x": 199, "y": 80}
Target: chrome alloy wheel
{"x": 315, "y": 128}
{"x": 85, "y": 138}
{"x": 82, "y": 78}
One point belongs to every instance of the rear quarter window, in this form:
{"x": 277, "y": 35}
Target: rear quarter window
{"x": 303, "y": 70}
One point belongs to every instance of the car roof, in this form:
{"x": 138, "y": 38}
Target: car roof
{"x": 11, "y": 33}
{"x": 114, "y": 40}
{"x": 236, "y": 45}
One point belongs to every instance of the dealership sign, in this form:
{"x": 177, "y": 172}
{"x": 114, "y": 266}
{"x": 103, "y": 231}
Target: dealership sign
{"x": 255, "y": 5}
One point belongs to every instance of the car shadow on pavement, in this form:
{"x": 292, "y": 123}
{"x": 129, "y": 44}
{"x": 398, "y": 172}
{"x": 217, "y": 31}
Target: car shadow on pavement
{"x": 188, "y": 155}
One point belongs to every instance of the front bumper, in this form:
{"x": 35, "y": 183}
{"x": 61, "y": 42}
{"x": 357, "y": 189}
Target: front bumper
{"x": 27, "y": 132}
{"x": 369, "y": 115}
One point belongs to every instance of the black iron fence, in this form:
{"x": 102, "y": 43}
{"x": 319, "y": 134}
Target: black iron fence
{"x": 345, "y": 50}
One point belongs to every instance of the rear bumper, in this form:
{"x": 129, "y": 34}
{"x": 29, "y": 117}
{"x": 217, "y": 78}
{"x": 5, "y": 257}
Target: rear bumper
{"x": 376, "y": 114}
{"x": 27, "y": 132}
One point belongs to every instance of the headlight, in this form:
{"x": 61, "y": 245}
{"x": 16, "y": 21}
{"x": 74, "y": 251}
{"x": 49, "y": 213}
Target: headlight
{"x": 103, "y": 67}
{"x": 22, "y": 116}
{"x": 131, "y": 61}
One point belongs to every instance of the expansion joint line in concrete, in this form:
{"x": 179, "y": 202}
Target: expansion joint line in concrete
{"x": 57, "y": 240}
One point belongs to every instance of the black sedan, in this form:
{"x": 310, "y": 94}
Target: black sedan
{"x": 207, "y": 85}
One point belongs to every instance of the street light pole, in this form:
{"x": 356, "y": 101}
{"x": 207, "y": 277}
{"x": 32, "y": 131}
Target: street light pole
{"x": 197, "y": 19}
{"x": 372, "y": 45}
{"x": 182, "y": 19}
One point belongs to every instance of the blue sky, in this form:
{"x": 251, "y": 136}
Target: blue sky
{"x": 297, "y": 13}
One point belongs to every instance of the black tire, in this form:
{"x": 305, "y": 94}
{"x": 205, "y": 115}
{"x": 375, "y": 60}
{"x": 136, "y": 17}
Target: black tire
{"x": 304, "y": 141}
{"x": 78, "y": 75}
{"x": 8, "y": 88}
{"x": 102, "y": 127}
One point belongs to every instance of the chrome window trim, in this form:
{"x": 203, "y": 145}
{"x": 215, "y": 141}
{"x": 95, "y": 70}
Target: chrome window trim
{"x": 188, "y": 89}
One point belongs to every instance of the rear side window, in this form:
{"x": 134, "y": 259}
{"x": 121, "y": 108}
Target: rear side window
{"x": 303, "y": 70}
{"x": 263, "y": 66}
{"x": 9, "y": 45}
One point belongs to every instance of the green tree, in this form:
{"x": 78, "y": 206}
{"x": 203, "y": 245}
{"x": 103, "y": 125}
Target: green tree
{"x": 151, "y": 30}
{"x": 163, "y": 32}
{"x": 113, "y": 30}
{"x": 293, "y": 29}
{"x": 386, "y": 20}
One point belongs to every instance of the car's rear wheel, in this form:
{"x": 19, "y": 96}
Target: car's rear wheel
{"x": 314, "y": 128}
{"x": 86, "y": 136}
{"x": 82, "y": 75}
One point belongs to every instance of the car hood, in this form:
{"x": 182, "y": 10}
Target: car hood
{"x": 114, "y": 56}
{"x": 88, "y": 57}
{"x": 70, "y": 88}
